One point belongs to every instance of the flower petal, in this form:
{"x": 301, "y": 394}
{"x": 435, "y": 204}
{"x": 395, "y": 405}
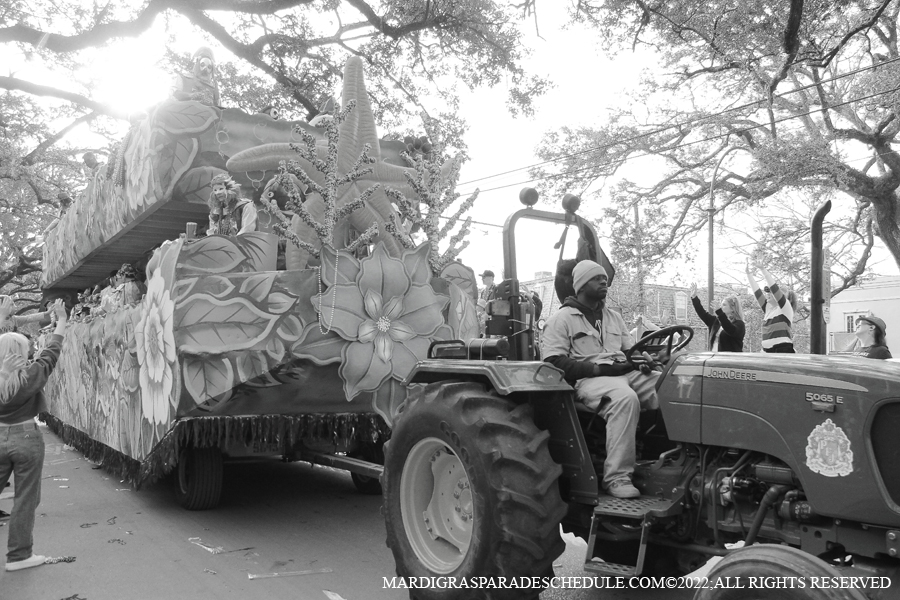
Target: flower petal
{"x": 400, "y": 331}
{"x": 373, "y": 304}
{"x": 384, "y": 347}
{"x": 341, "y": 309}
{"x": 422, "y": 309}
{"x": 393, "y": 309}
{"x": 367, "y": 331}
{"x": 407, "y": 354}
{"x": 384, "y": 274}
{"x": 361, "y": 370}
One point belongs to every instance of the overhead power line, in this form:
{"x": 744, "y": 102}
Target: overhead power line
{"x": 676, "y": 125}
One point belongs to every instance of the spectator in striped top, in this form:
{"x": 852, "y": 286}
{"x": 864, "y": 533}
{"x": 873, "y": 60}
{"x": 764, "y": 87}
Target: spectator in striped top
{"x": 778, "y": 307}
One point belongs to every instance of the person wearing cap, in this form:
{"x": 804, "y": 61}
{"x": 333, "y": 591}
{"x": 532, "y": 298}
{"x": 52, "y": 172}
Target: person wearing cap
{"x": 870, "y": 331}
{"x": 587, "y": 340}
{"x": 487, "y": 278}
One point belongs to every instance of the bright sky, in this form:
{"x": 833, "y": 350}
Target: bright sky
{"x": 586, "y": 84}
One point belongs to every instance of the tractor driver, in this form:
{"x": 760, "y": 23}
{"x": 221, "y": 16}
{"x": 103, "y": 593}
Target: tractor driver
{"x": 586, "y": 340}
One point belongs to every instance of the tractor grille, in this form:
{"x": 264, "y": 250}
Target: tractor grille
{"x": 887, "y": 451}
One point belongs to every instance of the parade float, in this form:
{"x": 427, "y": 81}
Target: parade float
{"x": 226, "y": 354}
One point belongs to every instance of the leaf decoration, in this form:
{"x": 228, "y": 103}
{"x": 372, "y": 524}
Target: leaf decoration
{"x": 321, "y": 348}
{"x": 131, "y": 370}
{"x": 194, "y": 186}
{"x": 185, "y": 117}
{"x": 251, "y": 365}
{"x": 462, "y": 317}
{"x": 185, "y": 150}
{"x": 183, "y": 287}
{"x": 207, "y": 378}
{"x": 258, "y": 286}
{"x": 463, "y": 276}
{"x": 347, "y": 266}
{"x": 207, "y": 324}
{"x": 290, "y": 329}
{"x": 275, "y": 348}
{"x": 212, "y": 254}
{"x": 261, "y": 248}
{"x": 216, "y": 286}
{"x": 416, "y": 263}
{"x": 280, "y": 303}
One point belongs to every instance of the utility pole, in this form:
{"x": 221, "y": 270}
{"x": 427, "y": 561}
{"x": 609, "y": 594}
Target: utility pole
{"x": 640, "y": 259}
{"x": 711, "y": 211}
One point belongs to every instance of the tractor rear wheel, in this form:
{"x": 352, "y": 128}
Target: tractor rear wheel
{"x": 198, "y": 478}
{"x": 470, "y": 490}
{"x": 768, "y": 561}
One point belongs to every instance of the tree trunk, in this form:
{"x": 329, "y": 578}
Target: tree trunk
{"x": 886, "y": 217}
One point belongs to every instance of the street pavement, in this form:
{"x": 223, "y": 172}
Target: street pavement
{"x": 276, "y": 520}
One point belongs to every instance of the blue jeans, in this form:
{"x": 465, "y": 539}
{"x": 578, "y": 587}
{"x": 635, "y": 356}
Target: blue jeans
{"x": 22, "y": 453}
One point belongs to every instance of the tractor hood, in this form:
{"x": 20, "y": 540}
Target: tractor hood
{"x": 833, "y": 420}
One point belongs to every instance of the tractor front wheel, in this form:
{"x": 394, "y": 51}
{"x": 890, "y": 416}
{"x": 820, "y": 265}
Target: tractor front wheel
{"x": 730, "y": 579}
{"x": 470, "y": 490}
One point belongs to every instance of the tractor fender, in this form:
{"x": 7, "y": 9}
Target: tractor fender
{"x": 505, "y": 377}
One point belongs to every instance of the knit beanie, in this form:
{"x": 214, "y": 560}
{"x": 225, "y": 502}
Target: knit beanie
{"x": 584, "y": 272}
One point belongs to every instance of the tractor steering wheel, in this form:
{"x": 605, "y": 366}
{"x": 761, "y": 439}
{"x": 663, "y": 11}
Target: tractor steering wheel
{"x": 661, "y": 339}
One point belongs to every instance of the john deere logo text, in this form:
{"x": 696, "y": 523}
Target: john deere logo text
{"x": 731, "y": 374}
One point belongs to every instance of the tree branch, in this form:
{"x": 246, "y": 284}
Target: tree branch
{"x": 824, "y": 62}
{"x": 31, "y": 156}
{"x": 14, "y": 83}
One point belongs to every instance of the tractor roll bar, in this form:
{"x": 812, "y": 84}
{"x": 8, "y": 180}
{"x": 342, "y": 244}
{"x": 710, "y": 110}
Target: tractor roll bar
{"x": 567, "y": 218}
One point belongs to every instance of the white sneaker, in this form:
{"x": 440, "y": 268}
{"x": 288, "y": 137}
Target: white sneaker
{"x": 35, "y": 560}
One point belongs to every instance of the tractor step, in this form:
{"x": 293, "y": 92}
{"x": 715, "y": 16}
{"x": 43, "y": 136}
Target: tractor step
{"x": 609, "y": 569}
{"x": 643, "y": 510}
{"x": 637, "y": 508}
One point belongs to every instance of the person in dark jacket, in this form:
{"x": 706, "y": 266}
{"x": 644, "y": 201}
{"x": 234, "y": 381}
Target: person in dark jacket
{"x": 726, "y": 328}
{"x": 21, "y": 441}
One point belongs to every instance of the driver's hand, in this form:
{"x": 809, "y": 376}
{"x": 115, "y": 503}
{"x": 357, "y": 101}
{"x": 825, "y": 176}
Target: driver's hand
{"x": 644, "y": 362}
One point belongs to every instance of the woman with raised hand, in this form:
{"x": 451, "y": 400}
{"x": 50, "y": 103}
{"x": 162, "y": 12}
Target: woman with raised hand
{"x": 726, "y": 327}
{"x": 778, "y": 307}
{"x": 21, "y": 441}
{"x": 10, "y": 322}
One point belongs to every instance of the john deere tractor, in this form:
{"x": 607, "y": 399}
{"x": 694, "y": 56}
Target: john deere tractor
{"x": 785, "y": 465}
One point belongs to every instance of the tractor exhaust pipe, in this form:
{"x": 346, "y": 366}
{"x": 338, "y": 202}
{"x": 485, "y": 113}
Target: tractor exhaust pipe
{"x": 816, "y": 280}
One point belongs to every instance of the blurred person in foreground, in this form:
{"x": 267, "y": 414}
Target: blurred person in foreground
{"x": 21, "y": 441}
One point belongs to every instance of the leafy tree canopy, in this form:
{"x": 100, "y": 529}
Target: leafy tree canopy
{"x": 768, "y": 101}
{"x": 286, "y": 53}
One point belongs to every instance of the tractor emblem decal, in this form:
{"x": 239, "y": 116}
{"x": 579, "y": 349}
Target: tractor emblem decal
{"x": 828, "y": 451}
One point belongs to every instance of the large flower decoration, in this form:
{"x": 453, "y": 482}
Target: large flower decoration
{"x": 388, "y": 312}
{"x": 155, "y": 343}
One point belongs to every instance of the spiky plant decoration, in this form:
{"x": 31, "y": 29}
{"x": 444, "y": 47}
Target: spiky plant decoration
{"x": 435, "y": 192}
{"x": 329, "y": 191}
